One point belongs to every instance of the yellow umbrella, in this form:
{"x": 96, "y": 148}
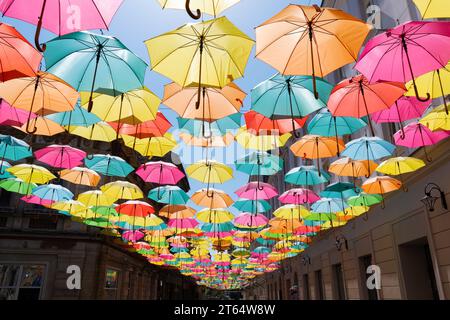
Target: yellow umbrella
{"x": 351, "y": 212}
{"x": 131, "y": 107}
{"x": 206, "y": 54}
{"x": 400, "y": 165}
{"x": 210, "y": 171}
{"x": 100, "y": 131}
{"x": 214, "y": 215}
{"x": 31, "y": 173}
{"x": 433, "y": 9}
{"x": 95, "y": 198}
{"x": 436, "y": 82}
{"x": 437, "y": 119}
{"x": 79, "y": 175}
{"x": 207, "y": 142}
{"x": 70, "y": 206}
{"x": 122, "y": 190}
{"x": 249, "y": 140}
{"x": 211, "y": 7}
{"x": 291, "y": 211}
{"x": 149, "y": 147}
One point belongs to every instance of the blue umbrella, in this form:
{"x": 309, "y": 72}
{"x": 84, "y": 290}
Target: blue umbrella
{"x": 108, "y": 165}
{"x": 289, "y": 96}
{"x": 90, "y": 62}
{"x": 255, "y": 206}
{"x": 13, "y": 149}
{"x": 76, "y": 117}
{"x": 172, "y": 195}
{"x": 5, "y": 174}
{"x": 327, "y": 125}
{"x": 368, "y": 148}
{"x": 259, "y": 163}
{"x": 52, "y": 192}
{"x": 328, "y": 206}
{"x": 306, "y": 175}
{"x": 340, "y": 190}
{"x": 218, "y": 127}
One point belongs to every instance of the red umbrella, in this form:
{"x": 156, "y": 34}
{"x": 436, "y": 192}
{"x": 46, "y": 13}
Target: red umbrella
{"x": 148, "y": 129}
{"x": 18, "y": 57}
{"x": 135, "y": 208}
{"x": 259, "y": 122}
{"x": 356, "y": 97}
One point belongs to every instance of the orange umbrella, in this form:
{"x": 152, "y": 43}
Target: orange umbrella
{"x": 43, "y": 94}
{"x": 78, "y": 175}
{"x": 346, "y": 167}
{"x": 381, "y": 185}
{"x": 298, "y": 40}
{"x": 177, "y": 212}
{"x": 18, "y": 57}
{"x": 43, "y": 127}
{"x": 213, "y": 199}
{"x": 214, "y": 103}
{"x": 207, "y": 142}
{"x": 316, "y": 147}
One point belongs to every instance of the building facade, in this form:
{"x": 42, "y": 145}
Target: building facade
{"x": 406, "y": 245}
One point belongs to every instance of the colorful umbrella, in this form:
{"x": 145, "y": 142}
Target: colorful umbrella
{"x": 436, "y": 120}
{"x": 99, "y": 131}
{"x": 297, "y": 41}
{"x": 212, "y": 198}
{"x": 306, "y": 175}
{"x": 122, "y": 190}
{"x": 17, "y": 185}
{"x": 169, "y": 195}
{"x": 135, "y": 209}
{"x": 405, "y": 52}
{"x": 31, "y": 173}
{"x": 209, "y": 171}
{"x": 254, "y": 206}
{"x": 256, "y": 191}
{"x": 92, "y": 62}
{"x": 259, "y": 163}
{"x": 149, "y": 147}
{"x": 176, "y": 211}
{"x": 160, "y": 172}
{"x": 13, "y": 149}
{"x": 250, "y": 140}
{"x": 59, "y": 156}
{"x": 147, "y": 129}
{"x": 433, "y": 8}
{"x": 10, "y": 116}
{"x": 381, "y": 185}
{"x": 250, "y": 220}
{"x": 78, "y": 175}
{"x": 400, "y": 165}
{"x": 52, "y": 193}
{"x": 259, "y": 123}
{"x": 77, "y": 117}
{"x": 108, "y": 165}
{"x": 346, "y": 167}
{"x": 218, "y": 127}
{"x": 95, "y": 198}
{"x": 209, "y": 215}
{"x": 211, "y": 7}
{"x": 207, "y": 54}
{"x": 365, "y": 199}
{"x": 298, "y": 196}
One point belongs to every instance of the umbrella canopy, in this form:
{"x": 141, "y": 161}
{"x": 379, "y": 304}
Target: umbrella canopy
{"x": 400, "y": 165}
{"x": 52, "y": 193}
{"x": 209, "y": 215}
{"x": 160, "y": 172}
{"x": 211, "y": 7}
{"x": 210, "y": 171}
{"x": 60, "y": 156}
{"x": 306, "y": 175}
{"x": 212, "y": 198}
{"x": 340, "y": 190}
{"x": 31, "y": 173}
{"x": 95, "y": 198}
{"x": 381, "y": 185}
{"x": 298, "y": 196}
{"x": 99, "y": 131}
{"x": 256, "y": 191}
{"x": 169, "y": 195}
{"x": 328, "y": 205}
{"x": 147, "y": 129}
{"x": 18, "y": 57}
{"x": 260, "y": 123}
{"x": 215, "y": 103}
{"x": 218, "y": 127}
{"x": 207, "y": 141}
{"x": 346, "y": 167}
{"x": 297, "y": 40}
{"x": 108, "y": 165}
{"x": 17, "y": 185}
{"x": 149, "y": 147}
{"x": 328, "y": 125}
{"x": 186, "y": 46}
{"x": 250, "y": 220}
{"x": 365, "y": 199}
{"x": 122, "y": 190}
{"x": 405, "y": 52}
{"x": 405, "y": 108}
{"x": 250, "y": 140}
{"x": 356, "y": 97}
{"x": 135, "y": 209}
{"x": 436, "y": 120}
{"x": 42, "y": 126}
{"x": 76, "y": 117}
{"x": 291, "y": 212}
{"x": 433, "y": 8}
{"x": 177, "y": 212}
{"x": 10, "y": 116}
{"x": 259, "y": 163}
{"x": 79, "y": 175}
{"x": 41, "y": 94}
{"x": 13, "y": 149}
{"x": 255, "y": 206}
{"x": 92, "y": 62}
{"x": 3, "y": 173}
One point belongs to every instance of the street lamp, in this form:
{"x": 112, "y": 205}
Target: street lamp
{"x": 341, "y": 240}
{"x": 306, "y": 260}
{"x": 429, "y": 200}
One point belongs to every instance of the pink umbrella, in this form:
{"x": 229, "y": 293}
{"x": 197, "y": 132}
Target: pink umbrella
{"x": 57, "y": 156}
{"x": 180, "y": 224}
{"x": 299, "y": 196}
{"x": 257, "y": 190}
{"x": 417, "y": 135}
{"x": 133, "y": 236}
{"x": 405, "y": 108}
{"x": 249, "y": 220}
{"x": 160, "y": 172}
{"x": 10, "y": 116}
{"x": 405, "y": 52}
{"x": 62, "y": 17}
{"x": 37, "y": 200}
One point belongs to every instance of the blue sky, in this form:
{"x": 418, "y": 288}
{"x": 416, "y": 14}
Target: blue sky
{"x": 139, "y": 20}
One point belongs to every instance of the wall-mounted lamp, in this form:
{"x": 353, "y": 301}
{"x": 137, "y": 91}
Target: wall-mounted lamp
{"x": 429, "y": 200}
{"x": 341, "y": 240}
{"x": 306, "y": 260}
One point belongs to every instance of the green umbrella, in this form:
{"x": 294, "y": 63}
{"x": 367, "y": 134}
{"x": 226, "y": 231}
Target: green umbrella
{"x": 365, "y": 199}
{"x": 17, "y": 185}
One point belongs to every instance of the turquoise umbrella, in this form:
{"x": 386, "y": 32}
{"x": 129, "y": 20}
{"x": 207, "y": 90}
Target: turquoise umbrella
{"x": 3, "y": 173}
{"x": 172, "y": 195}
{"x": 13, "y": 149}
{"x": 259, "y": 163}
{"x": 340, "y": 190}
{"x": 256, "y": 206}
{"x": 108, "y": 165}
{"x": 217, "y": 227}
{"x": 218, "y": 127}
{"x": 327, "y": 125}
{"x": 94, "y": 63}
{"x": 306, "y": 175}
{"x": 329, "y": 205}
{"x": 368, "y": 148}
{"x": 76, "y": 117}
{"x": 289, "y": 96}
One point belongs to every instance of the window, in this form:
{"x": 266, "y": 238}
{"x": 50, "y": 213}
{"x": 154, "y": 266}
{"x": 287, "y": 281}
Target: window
{"x": 3, "y": 221}
{"x": 21, "y": 282}
{"x": 364, "y": 263}
{"x": 5, "y": 198}
{"x": 319, "y": 285}
{"x": 43, "y": 222}
{"x": 111, "y": 283}
{"x": 338, "y": 282}
{"x": 306, "y": 293}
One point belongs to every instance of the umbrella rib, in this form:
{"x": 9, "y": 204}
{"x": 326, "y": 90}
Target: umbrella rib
{"x": 292, "y": 52}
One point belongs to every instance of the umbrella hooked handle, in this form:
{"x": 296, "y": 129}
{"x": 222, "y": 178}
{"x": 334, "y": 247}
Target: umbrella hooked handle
{"x": 416, "y": 90}
{"x": 193, "y": 15}
{"x": 402, "y": 132}
{"x": 90, "y": 156}
{"x": 27, "y": 129}
{"x": 37, "y": 34}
